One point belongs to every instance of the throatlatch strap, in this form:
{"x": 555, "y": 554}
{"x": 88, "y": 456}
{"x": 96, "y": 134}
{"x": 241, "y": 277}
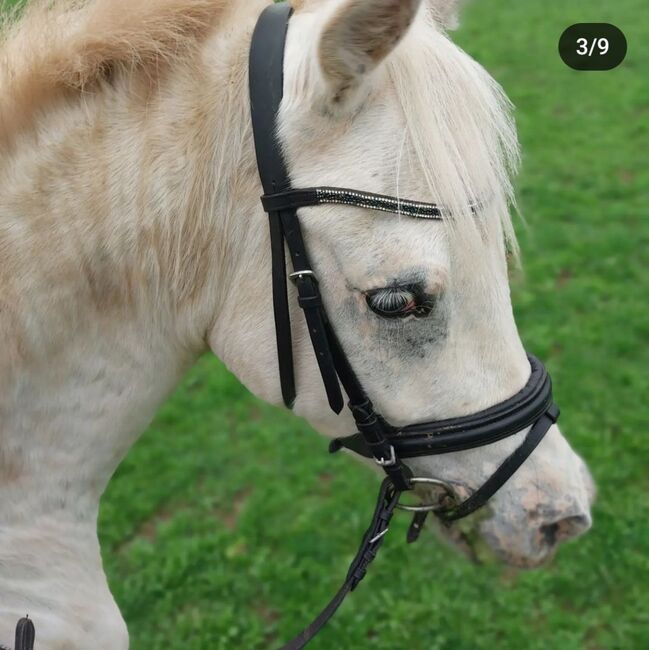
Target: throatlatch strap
{"x": 372, "y": 541}
{"x": 281, "y": 311}
{"x": 266, "y": 70}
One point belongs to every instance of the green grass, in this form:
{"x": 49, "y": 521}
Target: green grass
{"x": 217, "y": 534}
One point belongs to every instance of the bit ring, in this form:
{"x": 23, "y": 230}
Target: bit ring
{"x": 430, "y": 507}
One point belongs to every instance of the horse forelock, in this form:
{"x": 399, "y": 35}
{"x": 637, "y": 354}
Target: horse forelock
{"x": 459, "y": 133}
{"x": 460, "y": 129}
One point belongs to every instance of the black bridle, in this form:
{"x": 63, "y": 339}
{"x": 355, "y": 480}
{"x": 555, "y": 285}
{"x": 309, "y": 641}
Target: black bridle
{"x": 376, "y": 438}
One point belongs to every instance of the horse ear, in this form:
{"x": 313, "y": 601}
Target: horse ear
{"x": 359, "y": 35}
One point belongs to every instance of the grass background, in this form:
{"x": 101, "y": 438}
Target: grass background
{"x": 216, "y": 536}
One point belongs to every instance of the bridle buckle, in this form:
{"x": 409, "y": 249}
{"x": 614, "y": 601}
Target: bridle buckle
{"x": 389, "y": 462}
{"x": 298, "y": 275}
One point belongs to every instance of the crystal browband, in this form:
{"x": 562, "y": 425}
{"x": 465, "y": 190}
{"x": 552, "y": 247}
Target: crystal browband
{"x": 337, "y": 195}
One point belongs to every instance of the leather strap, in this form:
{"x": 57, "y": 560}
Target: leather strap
{"x": 375, "y": 438}
{"x": 266, "y": 72}
{"x": 372, "y": 540}
{"x": 485, "y": 427}
{"x": 25, "y": 635}
{"x": 310, "y": 301}
{"x": 281, "y": 311}
{"x": 371, "y": 426}
{"x": 266, "y": 85}
{"x": 506, "y": 470}
{"x": 416, "y": 526}
{"x": 266, "y": 90}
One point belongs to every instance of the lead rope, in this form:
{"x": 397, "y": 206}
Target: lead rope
{"x": 372, "y": 541}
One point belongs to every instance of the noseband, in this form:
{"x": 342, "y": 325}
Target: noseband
{"x": 375, "y": 438}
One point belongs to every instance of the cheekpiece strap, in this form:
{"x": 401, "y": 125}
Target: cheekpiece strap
{"x": 310, "y": 300}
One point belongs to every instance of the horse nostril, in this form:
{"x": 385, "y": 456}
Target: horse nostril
{"x": 565, "y": 528}
{"x": 549, "y": 534}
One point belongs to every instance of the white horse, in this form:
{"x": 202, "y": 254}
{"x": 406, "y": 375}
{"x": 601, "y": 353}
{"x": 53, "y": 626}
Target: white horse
{"x": 132, "y": 239}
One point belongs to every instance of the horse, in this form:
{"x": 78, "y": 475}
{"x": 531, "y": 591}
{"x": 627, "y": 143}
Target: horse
{"x": 132, "y": 241}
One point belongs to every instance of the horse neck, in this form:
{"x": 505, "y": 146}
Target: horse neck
{"x": 115, "y": 233}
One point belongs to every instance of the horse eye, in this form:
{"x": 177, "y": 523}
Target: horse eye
{"x": 399, "y": 302}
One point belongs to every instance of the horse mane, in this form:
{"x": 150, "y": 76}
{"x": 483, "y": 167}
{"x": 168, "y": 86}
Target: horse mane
{"x": 53, "y": 47}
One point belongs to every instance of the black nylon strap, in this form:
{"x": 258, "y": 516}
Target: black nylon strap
{"x": 372, "y": 541}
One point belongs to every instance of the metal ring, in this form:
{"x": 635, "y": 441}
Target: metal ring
{"x": 429, "y": 507}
